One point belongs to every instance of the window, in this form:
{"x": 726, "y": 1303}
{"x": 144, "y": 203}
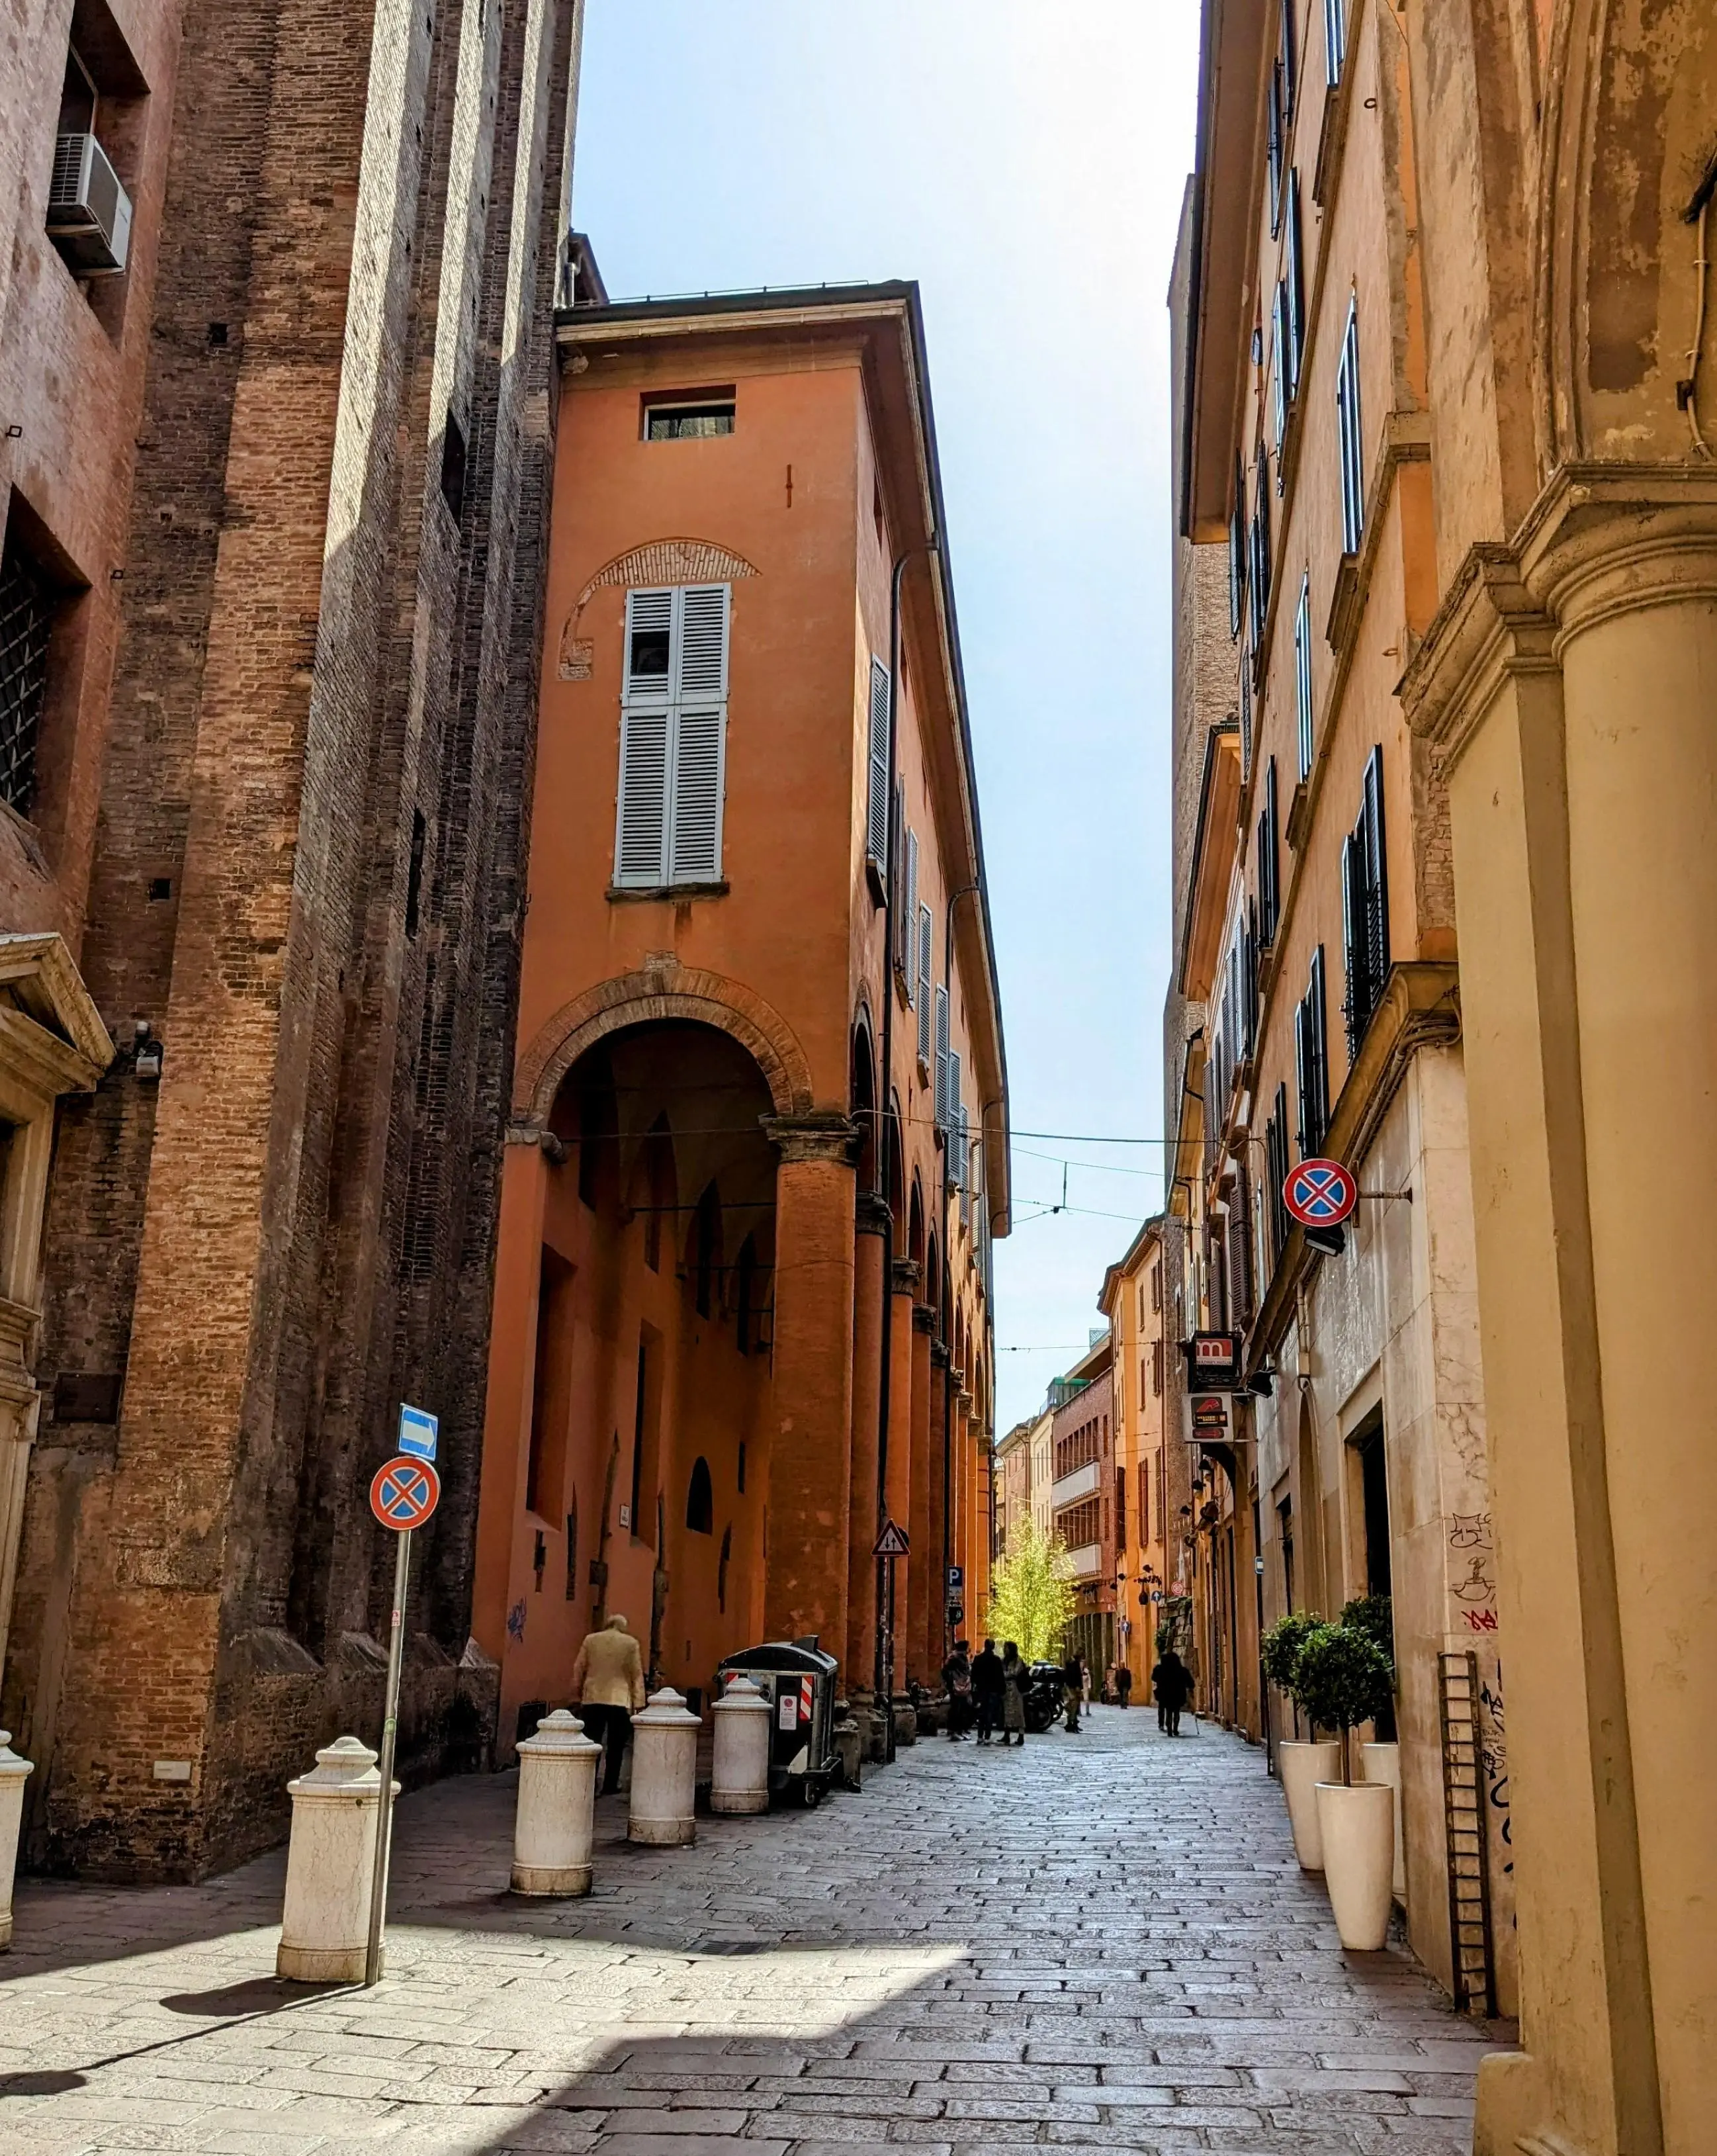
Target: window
{"x": 1280, "y": 385}
{"x": 1156, "y": 1369}
{"x": 1290, "y": 60}
{"x": 876, "y": 796}
{"x": 1240, "y": 1248}
{"x": 1276, "y": 1166}
{"x": 1120, "y": 1509}
{"x": 673, "y": 737}
{"x": 414, "y": 873}
{"x": 688, "y": 418}
{"x": 89, "y": 211}
{"x": 454, "y": 463}
{"x": 1144, "y": 1504}
{"x": 1258, "y": 578}
{"x": 1335, "y": 40}
{"x": 1365, "y": 905}
{"x": 1236, "y": 552}
{"x": 942, "y": 1069}
{"x": 1276, "y": 123}
{"x": 1352, "y": 446}
{"x": 26, "y": 626}
{"x": 1156, "y": 1287}
{"x": 905, "y": 927}
{"x": 1303, "y": 709}
{"x": 700, "y": 1499}
{"x": 926, "y": 931}
{"x": 1294, "y": 286}
{"x": 1245, "y": 716}
{"x": 1311, "y": 1049}
{"x": 1269, "y": 862}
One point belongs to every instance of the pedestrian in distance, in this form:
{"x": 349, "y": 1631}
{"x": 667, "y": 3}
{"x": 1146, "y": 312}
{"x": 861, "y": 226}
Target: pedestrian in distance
{"x": 1073, "y": 1683}
{"x": 608, "y": 1684}
{"x": 957, "y": 1682}
{"x": 1123, "y": 1683}
{"x": 1172, "y": 1682}
{"x": 1015, "y": 1681}
{"x": 989, "y": 1684}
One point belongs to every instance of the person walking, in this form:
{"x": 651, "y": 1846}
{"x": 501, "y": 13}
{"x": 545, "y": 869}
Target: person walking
{"x": 1172, "y": 1682}
{"x": 988, "y": 1686}
{"x": 608, "y": 1686}
{"x": 1073, "y": 1683}
{"x": 1123, "y": 1683}
{"x": 956, "y": 1681}
{"x": 1016, "y": 1678}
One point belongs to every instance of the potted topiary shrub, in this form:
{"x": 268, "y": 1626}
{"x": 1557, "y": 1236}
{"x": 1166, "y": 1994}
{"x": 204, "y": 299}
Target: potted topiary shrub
{"x": 1342, "y": 1678}
{"x": 1380, "y": 1754}
{"x": 1303, "y": 1764}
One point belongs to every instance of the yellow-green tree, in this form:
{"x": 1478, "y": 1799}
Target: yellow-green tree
{"x": 1032, "y": 1597}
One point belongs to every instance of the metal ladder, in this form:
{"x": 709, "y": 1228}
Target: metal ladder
{"x": 1471, "y": 1956}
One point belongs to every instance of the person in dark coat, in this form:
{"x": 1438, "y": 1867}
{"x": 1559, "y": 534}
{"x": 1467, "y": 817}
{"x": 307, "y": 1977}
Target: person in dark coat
{"x": 988, "y": 1691}
{"x": 956, "y": 1676}
{"x": 1172, "y": 1683}
{"x": 1073, "y": 1683}
{"x": 1122, "y": 1683}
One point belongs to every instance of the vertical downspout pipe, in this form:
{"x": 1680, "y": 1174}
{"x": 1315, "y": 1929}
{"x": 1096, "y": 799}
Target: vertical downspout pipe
{"x": 888, "y": 1131}
{"x": 966, "y": 890}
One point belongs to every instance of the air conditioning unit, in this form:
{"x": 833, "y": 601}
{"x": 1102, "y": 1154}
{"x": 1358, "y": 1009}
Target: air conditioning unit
{"x": 89, "y": 212}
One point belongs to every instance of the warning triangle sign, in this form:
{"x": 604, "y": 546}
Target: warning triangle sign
{"x": 891, "y": 1541}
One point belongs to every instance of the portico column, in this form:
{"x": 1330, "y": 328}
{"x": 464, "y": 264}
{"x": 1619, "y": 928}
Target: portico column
{"x": 939, "y": 1551}
{"x": 810, "y": 1466}
{"x": 904, "y": 1285}
{"x": 925, "y": 1559}
{"x": 1568, "y": 690}
{"x": 870, "y": 1249}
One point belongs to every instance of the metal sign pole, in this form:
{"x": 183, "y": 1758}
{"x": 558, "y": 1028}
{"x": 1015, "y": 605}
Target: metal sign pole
{"x": 889, "y": 1659}
{"x": 390, "y": 1724}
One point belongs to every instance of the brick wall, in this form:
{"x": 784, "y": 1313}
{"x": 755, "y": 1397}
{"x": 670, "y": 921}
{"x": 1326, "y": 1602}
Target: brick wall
{"x": 294, "y": 1229}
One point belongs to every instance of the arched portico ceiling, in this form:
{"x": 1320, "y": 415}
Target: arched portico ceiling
{"x": 648, "y": 997}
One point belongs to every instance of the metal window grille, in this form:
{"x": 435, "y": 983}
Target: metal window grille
{"x": 26, "y": 624}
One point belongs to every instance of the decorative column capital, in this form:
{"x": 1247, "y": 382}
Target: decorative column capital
{"x": 816, "y": 1137}
{"x": 924, "y": 1318}
{"x": 905, "y": 1280}
{"x": 874, "y": 1215}
{"x": 939, "y": 1354}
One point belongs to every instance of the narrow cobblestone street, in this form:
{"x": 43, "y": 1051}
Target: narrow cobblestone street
{"x": 1101, "y": 1942}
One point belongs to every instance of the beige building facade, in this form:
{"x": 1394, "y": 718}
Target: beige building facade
{"x": 1134, "y": 1303}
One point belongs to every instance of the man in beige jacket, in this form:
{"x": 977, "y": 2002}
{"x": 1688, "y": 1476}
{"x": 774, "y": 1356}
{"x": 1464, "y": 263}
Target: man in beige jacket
{"x": 608, "y": 1684}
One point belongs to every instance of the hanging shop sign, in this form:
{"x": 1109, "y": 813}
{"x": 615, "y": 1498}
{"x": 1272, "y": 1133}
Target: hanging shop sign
{"x": 1208, "y": 1420}
{"x": 1213, "y": 1362}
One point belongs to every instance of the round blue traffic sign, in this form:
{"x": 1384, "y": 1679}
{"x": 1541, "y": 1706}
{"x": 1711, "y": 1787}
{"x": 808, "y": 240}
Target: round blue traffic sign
{"x": 1319, "y": 1194}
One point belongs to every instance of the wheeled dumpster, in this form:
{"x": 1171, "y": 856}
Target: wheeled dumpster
{"x": 798, "y": 1682}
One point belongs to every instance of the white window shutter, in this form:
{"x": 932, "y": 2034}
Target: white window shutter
{"x": 694, "y": 853}
{"x": 876, "y": 807}
{"x": 926, "y": 932}
{"x": 907, "y": 959}
{"x": 941, "y": 1091}
{"x": 649, "y": 647}
{"x": 641, "y": 825}
{"x": 700, "y": 671}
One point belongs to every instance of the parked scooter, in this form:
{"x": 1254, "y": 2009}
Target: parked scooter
{"x": 1045, "y": 1698}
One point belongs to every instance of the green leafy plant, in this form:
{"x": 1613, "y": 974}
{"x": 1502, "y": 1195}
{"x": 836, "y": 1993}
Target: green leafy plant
{"x": 1373, "y": 1614}
{"x": 1341, "y": 1678}
{"x": 1032, "y": 1597}
{"x": 1281, "y": 1644}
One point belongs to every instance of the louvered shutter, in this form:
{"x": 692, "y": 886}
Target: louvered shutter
{"x": 906, "y": 956}
{"x": 694, "y": 852}
{"x": 649, "y": 647}
{"x": 1295, "y": 281}
{"x": 926, "y": 933}
{"x": 641, "y": 831}
{"x": 1290, "y": 60}
{"x": 700, "y": 670}
{"x": 965, "y": 1166}
{"x": 1377, "y": 871}
{"x": 876, "y": 806}
{"x": 1302, "y": 1076}
{"x": 942, "y": 1081}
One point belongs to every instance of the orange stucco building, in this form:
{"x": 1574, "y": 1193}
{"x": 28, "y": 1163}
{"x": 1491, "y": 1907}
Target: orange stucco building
{"x": 734, "y": 1308}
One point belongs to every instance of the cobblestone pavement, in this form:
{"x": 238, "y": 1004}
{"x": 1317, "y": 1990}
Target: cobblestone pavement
{"x": 1101, "y": 1942}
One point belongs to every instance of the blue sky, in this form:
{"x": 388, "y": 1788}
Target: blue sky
{"x": 1024, "y": 161}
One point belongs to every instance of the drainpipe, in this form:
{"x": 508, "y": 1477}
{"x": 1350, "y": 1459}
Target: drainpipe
{"x": 885, "y": 1118}
{"x": 966, "y": 890}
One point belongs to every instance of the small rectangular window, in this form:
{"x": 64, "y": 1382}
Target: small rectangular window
{"x": 1352, "y": 445}
{"x": 1335, "y": 40}
{"x": 1304, "y": 712}
{"x": 452, "y": 467}
{"x": 25, "y": 627}
{"x": 688, "y": 418}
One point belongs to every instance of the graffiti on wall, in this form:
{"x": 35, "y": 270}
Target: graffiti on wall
{"x": 1494, "y": 1755}
{"x": 1473, "y": 1577}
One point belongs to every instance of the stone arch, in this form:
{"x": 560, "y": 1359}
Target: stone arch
{"x": 648, "y": 996}
{"x": 657, "y": 561}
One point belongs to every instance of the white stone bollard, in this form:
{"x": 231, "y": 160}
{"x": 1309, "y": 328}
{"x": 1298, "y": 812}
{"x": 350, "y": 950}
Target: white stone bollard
{"x": 743, "y": 1724}
{"x": 664, "y": 1767}
{"x": 556, "y": 1823}
{"x": 325, "y": 1927}
{"x": 13, "y": 1774}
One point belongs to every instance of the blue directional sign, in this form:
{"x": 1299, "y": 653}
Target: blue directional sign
{"x": 418, "y": 1432}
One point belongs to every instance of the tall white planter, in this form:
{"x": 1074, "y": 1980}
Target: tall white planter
{"x": 325, "y": 1926}
{"x": 14, "y": 1773}
{"x": 664, "y": 1766}
{"x": 1383, "y": 1764}
{"x": 1358, "y": 1830}
{"x": 556, "y": 1822}
{"x": 1302, "y": 1767}
{"x": 740, "y": 1784}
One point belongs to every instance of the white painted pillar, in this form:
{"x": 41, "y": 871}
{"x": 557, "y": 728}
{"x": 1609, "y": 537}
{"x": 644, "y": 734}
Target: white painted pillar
{"x": 664, "y": 1766}
{"x": 325, "y": 1927}
{"x": 556, "y": 1822}
{"x": 741, "y": 1783}
{"x": 13, "y": 1774}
